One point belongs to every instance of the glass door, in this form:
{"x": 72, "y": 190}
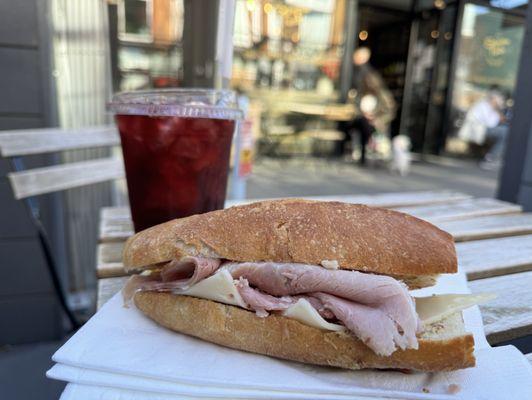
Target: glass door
{"x": 487, "y": 58}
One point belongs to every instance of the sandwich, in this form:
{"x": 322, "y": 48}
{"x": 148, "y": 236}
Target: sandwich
{"x": 323, "y": 283}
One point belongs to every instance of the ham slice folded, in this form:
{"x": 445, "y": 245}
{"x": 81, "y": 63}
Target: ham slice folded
{"x": 377, "y": 309}
{"x": 371, "y": 325}
{"x": 174, "y": 276}
{"x": 262, "y": 302}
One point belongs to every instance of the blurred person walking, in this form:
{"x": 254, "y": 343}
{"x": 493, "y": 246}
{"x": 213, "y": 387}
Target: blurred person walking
{"x": 487, "y": 121}
{"x": 373, "y": 99}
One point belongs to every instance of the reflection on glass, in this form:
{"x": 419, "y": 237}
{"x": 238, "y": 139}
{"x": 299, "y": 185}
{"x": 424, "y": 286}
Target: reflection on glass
{"x": 488, "y": 56}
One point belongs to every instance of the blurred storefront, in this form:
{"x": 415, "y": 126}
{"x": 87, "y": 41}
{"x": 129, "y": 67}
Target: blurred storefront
{"x": 292, "y": 59}
{"x": 437, "y": 58}
{"x": 287, "y": 58}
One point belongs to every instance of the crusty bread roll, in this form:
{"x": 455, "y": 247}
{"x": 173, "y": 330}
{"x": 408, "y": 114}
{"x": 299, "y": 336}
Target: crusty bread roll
{"x": 443, "y": 346}
{"x": 358, "y": 237}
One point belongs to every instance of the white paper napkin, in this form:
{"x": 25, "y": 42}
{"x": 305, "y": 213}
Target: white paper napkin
{"x": 129, "y": 346}
{"x": 499, "y": 372}
{"x": 74, "y": 391}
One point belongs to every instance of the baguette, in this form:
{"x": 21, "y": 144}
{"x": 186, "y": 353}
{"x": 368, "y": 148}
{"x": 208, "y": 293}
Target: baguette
{"x": 443, "y": 345}
{"x": 358, "y": 237}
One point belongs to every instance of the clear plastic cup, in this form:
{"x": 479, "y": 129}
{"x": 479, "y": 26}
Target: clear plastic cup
{"x": 176, "y": 145}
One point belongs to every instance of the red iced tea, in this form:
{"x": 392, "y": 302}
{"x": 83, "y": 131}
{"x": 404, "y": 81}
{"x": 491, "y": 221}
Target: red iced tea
{"x": 175, "y": 166}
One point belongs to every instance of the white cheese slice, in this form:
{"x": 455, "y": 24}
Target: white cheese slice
{"x": 303, "y": 312}
{"x": 434, "y": 308}
{"x": 219, "y": 287}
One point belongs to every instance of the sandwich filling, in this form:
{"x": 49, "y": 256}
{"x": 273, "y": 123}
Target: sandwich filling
{"x": 377, "y": 309}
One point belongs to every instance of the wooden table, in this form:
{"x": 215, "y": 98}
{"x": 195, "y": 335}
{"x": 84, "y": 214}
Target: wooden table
{"x": 494, "y": 250}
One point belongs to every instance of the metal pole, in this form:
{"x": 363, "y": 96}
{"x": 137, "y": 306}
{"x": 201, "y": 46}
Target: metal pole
{"x": 404, "y": 123}
{"x": 350, "y": 30}
{"x": 515, "y": 180}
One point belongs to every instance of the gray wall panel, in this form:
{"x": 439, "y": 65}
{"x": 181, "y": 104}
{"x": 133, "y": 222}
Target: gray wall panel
{"x": 24, "y": 271}
{"x": 18, "y": 224}
{"x": 4, "y": 169}
{"x": 28, "y": 122}
{"x": 12, "y": 32}
{"x": 20, "y": 81}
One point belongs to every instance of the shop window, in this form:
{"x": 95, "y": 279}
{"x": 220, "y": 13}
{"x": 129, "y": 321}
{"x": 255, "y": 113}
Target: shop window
{"x": 135, "y": 19}
{"x": 488, "y": 57}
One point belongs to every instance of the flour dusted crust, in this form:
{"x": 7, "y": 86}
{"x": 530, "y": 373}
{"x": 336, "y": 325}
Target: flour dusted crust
{"x": 358, "y": 237}
{"x": 443, "y": 346}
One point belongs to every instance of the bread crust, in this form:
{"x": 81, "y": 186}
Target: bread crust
{"x": 282, "y": 337}
{"x": 358, "y": 237}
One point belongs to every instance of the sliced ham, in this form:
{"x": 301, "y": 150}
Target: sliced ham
{"x": 176, "y": 275}
{"x": 260, "y": 302}
{"x": 383, "y": 293}
{"x": 133, "y": 284}
{"x": 189, "y": 270}
{"x": 371, "y": 325}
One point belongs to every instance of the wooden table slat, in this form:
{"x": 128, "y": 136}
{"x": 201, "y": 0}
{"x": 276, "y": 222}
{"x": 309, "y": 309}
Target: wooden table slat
{"x": 109, "y": 260}
{"x": 109, "y": 213}
{"x": 509, "y": 316}
{"x": 115, "y": 230}
{"x": 493, "y": 257}
{"x": 388, "y": 200}
{"x": 469, "y": 208}
{"x": 488, "y": 227}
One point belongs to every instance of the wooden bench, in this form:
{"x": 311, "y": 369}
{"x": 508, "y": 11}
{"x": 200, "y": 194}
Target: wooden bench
{"x": 65, "y": 176}
{"x": 501, "y": 262}
{"x": 26, "y": 183}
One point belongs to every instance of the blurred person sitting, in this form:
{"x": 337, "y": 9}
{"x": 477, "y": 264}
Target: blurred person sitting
{"x": 486, "y": 122}
{"x": 373, "y": 99}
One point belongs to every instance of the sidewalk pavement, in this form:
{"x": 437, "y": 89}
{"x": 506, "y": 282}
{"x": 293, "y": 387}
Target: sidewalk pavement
{"x": 306, "y": 177}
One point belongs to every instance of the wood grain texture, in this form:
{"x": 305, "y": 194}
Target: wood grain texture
{"x": 115, "y": 230}
{"x": 493, "y": 257}
{"x": 107, "y": 288}
{"x": 66, "y": 176}
{"x": 37, "y": 141}
{"x": 468, "y": 208}
{"x": 488, "y": 227}
{"x": 509, "y": 316}
{"x": 387, "y": 200}
{"x": 109, "y": 260}
{"x": 115, "y": 213}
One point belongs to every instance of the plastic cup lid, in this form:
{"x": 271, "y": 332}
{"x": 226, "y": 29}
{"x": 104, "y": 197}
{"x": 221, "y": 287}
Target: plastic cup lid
{"x": 188, "y": 103}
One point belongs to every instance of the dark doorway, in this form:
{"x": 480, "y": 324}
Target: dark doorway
{"x": 385, "y": 31}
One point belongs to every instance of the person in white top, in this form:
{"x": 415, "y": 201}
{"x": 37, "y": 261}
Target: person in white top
{"x": 485, "y": 120}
